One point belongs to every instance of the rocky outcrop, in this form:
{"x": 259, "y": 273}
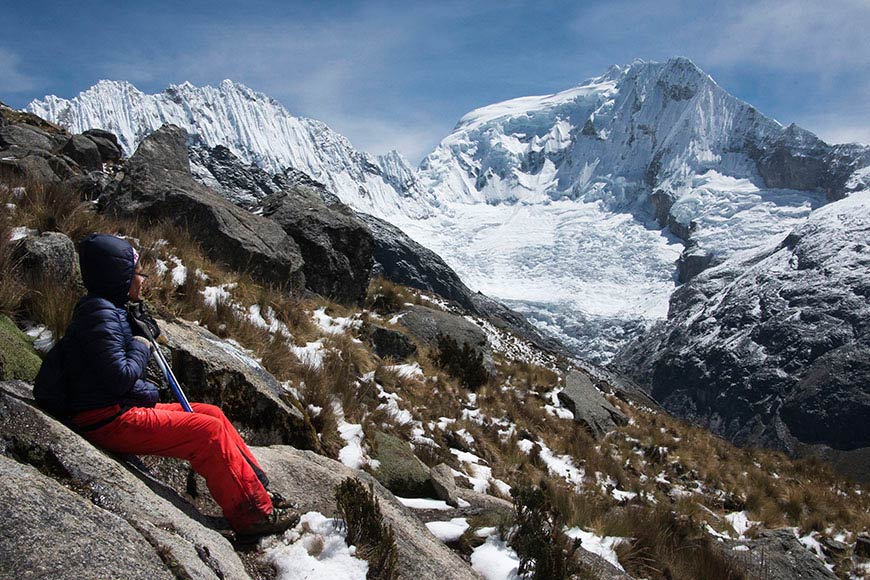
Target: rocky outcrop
{"x": 400, "y": 259}
{"x": 50, "y": 257}
{"x": 36, "y": 150}
{"x": 399, "y": 470}
{"x": 336, "y": 244}
{"x": 444, "y": 484}
{"x": 157, "y": 185}
{"x": 115, "y": 505}
{"x": 214, "y": 371}
{"x": 310, "y": 480}
{"x": 797, "y": 159}
{"x": 106, "y": 142}
{"x": 426, "y": 324}
{"x": 778, "y": 555}
{"x": 396, "y": 256}
{"x": 83, "y": 151}
{"x": 772, "y": 347}
{"x": 589, "y": 406}
{"x": 389, "y": 343}
{"x": 246, "y": 185}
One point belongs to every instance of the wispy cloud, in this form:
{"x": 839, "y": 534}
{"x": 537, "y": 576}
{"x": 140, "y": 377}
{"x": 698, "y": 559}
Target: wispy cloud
{"x": 798, "y": 35}
{"x": 12, "y": 78}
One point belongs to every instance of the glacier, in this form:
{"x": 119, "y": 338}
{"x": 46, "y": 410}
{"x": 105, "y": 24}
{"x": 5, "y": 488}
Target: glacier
{"x": 583, "y": 209}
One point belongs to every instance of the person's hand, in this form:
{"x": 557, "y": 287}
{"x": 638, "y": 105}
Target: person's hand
{"x": 141, "y": 322}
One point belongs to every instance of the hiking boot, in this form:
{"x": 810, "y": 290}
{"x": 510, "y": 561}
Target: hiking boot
{"x": 279, "y": 501}
{"x": 280, "y": 520}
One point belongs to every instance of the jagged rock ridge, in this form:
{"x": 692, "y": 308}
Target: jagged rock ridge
{"x": 772, "y": 346}
{"x": 253, "y": 126}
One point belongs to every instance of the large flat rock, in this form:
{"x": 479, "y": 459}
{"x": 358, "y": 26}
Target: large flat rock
{"x": 161, "y": 518}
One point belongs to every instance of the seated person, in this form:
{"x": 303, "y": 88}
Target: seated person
{"x": 105, "y": 359}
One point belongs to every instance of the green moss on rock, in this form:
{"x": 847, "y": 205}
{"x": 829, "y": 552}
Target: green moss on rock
{"x": 18, "y": 360}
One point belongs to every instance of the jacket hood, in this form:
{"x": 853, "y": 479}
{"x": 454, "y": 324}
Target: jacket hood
{"x": 107, "y": 265}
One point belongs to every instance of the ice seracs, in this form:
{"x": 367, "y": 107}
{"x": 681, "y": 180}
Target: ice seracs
{"x": 254, "y": 127}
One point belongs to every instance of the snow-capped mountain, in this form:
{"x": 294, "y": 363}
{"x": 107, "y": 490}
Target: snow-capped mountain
{"x": 583, "y": 209}
{"x": 772, "y": 347}
{"x": 251, "y": 125}
{"x": 557, "y": 202}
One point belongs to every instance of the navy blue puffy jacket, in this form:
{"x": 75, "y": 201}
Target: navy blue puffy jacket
{"x": 104, "y": 365}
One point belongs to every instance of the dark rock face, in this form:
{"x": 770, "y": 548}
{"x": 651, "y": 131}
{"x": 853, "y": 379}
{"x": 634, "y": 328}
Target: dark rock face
{"x": 26, "y": 137}
{"x": 389, "y": 343}
{"x": 36, "y": 150}
{"x": 774, "y": 348}
{"x": 444, "y": 484}
{"x": 692, "y": 262}
{"x": 426, "y": 324}
{"x": 213, "y": 371}
{"x": 220, "y": 170}
{"x": 778, "y": 555}
{"x": 797, "y": 159}
{"x": 158, "y": 185}
{"x": 83, "y": 151}
{"x": 336, "y": 244}
{"x": 590, "y": 408}
{"x": 50, "y": 256}
{"x": 106, "y": 142}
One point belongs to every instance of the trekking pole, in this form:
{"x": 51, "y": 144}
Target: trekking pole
{"x": 136, "y": 311}
{"x": 170, "y": 376}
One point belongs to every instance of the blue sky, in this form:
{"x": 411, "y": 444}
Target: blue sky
{"x": 400, "y": 74}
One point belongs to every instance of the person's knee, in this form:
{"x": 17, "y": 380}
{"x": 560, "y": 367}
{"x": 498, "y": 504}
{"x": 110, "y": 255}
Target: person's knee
{"x": 208, "y": 429}
{"x": 206, "y": 409}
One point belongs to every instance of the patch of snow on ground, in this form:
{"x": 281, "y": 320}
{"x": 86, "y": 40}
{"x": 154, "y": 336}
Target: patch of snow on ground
{"x": 479, "y": 476}
{"x": 21, "y": 232}
{"x": 331, "y": 325}
{"x": 316, "y": 548}
{"x": 495, "y": 560}
{"x": 421, "y": 503}
{"x": 740, "y": 522}
{"x": 407, "y": 370}
{"x": 213, "y": 294}
{"x": 391, "y": 406}
{"x": 259, "y": 318}
{"x": 179, "y": 272}
{"x": 555, "y": 407}
{"x": 620, "y": 495}
{"x": 561, "y": 465}
{"x": 353, "y": 454}
{"x": 449, "y": 531}
{"x": 604, "y": 546}
{"x": 311, "y": 354}
{"x": 237, "y": 351}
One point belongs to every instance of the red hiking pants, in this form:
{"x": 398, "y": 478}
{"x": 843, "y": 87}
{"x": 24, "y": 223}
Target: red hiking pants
{"x": 205, "y": 437}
